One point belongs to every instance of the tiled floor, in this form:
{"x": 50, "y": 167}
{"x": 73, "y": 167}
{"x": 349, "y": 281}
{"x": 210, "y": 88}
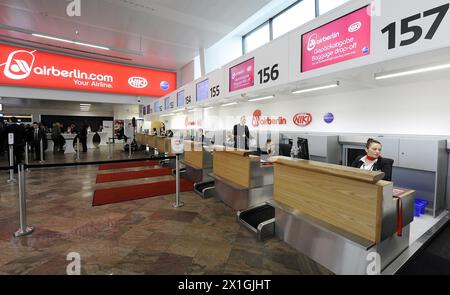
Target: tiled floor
{"x": 146, "y": 236}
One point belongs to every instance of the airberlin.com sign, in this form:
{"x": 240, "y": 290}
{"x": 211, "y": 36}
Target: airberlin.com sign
{"x": 40, "y": 69}
{"x": 343, "y": 39}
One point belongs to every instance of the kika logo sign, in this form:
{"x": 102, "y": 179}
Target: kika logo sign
{"x": 302, "y": 119}
{"x": 258, "y": 119}
{"x": 40, "y": 69}
{"x": 137, "y": 82}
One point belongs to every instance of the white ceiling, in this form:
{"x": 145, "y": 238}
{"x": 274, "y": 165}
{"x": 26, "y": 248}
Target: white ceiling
{"x": 164, "y": 34}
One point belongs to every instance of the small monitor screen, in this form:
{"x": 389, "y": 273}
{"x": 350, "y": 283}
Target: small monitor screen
{"x": 302, "y": 144}
{"x": 166, "y": 103}
{"x": 180, "y": 98}
{"x": 202, "y": 90}
{"x": 156, "y": 106}
{"x": 285, "y": 149}
{"x": 242, "y": 75}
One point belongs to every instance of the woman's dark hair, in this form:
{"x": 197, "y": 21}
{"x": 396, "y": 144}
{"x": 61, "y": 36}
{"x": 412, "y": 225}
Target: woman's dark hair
{"x": 370, "y": 141}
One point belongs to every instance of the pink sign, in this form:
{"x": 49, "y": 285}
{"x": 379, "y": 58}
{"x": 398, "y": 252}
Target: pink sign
{"x": 345, "y": 38}
{"x": 242, "y": 75}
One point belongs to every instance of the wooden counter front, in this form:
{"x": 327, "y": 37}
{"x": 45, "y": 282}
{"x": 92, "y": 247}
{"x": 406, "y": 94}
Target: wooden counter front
{"x": 193, "y": 154}
{"x": 348, "y": 198}
{"x": 163, "y": 144}
{"x": 152, "y": 141}
{"x": 233, "y": 165}
{"x": 141, "y": 138}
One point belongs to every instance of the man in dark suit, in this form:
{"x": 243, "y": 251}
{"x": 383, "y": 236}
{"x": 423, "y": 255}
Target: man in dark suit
{"x": 241, "y": 135}
{"x": 19, "y": 141}
{"x": 83, "y": 138}
{"x": 38, "y": 135}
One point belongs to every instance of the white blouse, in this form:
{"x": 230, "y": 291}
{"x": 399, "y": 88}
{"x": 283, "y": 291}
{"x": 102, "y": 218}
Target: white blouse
{"x": 367, "y": 165}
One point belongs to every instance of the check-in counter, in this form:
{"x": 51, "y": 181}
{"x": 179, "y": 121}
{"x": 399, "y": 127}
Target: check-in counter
{"x": 152, "y": 141}
{"x": 337, "y": 215}
{"x": 198, "y": 161}
{"x": 141, "y": 138}
{"x": 241, "y": 179}
{"x": 163, "y": 144}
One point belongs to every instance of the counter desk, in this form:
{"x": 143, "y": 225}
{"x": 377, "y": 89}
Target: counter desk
{"x": 338, "y": 215}
{"x": 241, "y": 179}
{"x": 198, "y": 161}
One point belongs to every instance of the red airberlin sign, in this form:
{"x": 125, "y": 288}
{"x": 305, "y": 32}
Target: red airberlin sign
{"x": 40, "y": 69}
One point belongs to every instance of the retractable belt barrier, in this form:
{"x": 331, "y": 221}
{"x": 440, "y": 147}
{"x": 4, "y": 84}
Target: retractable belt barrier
{"x": 24, "y": 229}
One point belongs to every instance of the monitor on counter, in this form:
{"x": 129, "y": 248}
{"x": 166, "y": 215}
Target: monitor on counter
{"x": 302, "y": 144}
{"x": 285, "y": 149}
{"x": 351, "y": 153}
{"x": 202, "y": 90}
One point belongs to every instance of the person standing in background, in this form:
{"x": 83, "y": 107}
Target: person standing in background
{"x": 83, "y": 137}
{"x": 241, "y": 134}
{"x": 38, "y": 135}
{"x": 2, "y": 137}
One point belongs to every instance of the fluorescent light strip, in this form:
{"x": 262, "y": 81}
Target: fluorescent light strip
{"x": 91, "y": 45}
{"x": 208, "y": 108}
{"x": 261, "y": 98}
{"x": 191, "y": 111}
{"x": 85, "y": 104}
{"x": 70, "y": 41}
{"x": 412, "y": 72}
{"x": 52, "y": 38}
{"x": 229, "y": 104}
{"x": 315, "y": 88}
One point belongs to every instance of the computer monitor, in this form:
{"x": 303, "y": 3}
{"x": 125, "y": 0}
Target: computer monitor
{"x": 302, "y": 144}
{"x": 285, "y": 149}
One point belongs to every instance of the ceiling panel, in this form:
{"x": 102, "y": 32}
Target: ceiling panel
{"x": 163, "y": 34}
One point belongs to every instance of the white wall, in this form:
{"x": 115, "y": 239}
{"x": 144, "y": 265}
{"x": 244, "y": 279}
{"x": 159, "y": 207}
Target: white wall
{"x": 222, "y": 53}
{"x": 419, "y": 108}
{"x": 122, "y": 112}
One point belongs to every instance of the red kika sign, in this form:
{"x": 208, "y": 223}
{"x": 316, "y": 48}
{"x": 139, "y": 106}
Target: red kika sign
{"x": 302, "y": 119}
{"x": 40, "y": 69}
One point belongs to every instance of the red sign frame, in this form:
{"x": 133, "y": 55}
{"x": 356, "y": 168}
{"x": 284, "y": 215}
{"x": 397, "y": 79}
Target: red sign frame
{"x": 25, "y": 67}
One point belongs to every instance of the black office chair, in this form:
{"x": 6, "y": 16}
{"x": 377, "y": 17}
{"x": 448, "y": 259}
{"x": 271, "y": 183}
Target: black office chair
{"x": 388, "y": 169}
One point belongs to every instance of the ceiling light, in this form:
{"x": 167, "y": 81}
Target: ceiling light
{"x": 52, "y": 38}
{"x": 1, "y": 107}
{"x": 166, "y": 115}
{"x": 335, "y": 84}
{"x": 85, "y": 104}
{"x": 261, "y": 98}
{"x": 229, "y": 104}
{"x": 70, "y": 41}
{"x": 381, "y": 76}
{"x": 208, "y": 108}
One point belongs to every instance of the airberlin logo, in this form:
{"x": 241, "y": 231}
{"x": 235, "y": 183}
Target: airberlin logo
{"x": 302, "y": 119}
{"x": 19, "y": 64}
{"x": 258, "y": 119}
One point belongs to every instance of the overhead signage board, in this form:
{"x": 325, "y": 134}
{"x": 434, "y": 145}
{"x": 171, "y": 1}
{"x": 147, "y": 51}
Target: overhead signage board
{"x": 202, "y": 90}
{"x": 35, "y": 68}
{"x": 345, "y": 38}
{"x": 180, "y": 98}
{"x": 242, "y": 75}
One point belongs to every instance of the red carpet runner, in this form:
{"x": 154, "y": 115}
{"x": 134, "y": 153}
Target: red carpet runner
{"x": 140, "y": 191}
{"x": 127, "y": 165}
{"x": 118, "y": 176}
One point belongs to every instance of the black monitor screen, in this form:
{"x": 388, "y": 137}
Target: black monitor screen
{"x": 285, "y": 149}
{"x": 353, "y": 153}
{"x": 303, "y": 152}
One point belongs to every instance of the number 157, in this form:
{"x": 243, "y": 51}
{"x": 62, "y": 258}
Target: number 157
{"x": 416, "y": 30}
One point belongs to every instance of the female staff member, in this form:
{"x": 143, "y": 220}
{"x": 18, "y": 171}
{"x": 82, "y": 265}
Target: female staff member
{"x": 373, "y": 160}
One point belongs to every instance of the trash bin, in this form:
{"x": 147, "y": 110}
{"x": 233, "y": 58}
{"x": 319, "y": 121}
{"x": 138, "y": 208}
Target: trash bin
{"x": 419, "y": 206}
